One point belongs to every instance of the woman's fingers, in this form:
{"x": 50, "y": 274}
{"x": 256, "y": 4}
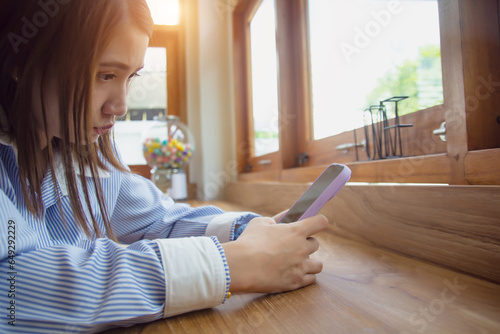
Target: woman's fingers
{"x": 309, "y": 279}
{"x": 312, "y": 225}
{"x": 303, "y": 274}
{"x": 313, "y": 244}
{"x": 263, "y": 220}
{"x": 272, "y": 257}
{"x": 280, "y": 215}
{"x": 311, "y": 267}
{"x": 314, "y": 266}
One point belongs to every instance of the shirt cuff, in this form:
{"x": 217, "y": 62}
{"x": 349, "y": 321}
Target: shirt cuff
{"x": 196, "y": 274}
{"x": 223, "y": 225}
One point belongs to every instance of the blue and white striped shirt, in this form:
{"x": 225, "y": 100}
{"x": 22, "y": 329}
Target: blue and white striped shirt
{"x": 55, "y": 279}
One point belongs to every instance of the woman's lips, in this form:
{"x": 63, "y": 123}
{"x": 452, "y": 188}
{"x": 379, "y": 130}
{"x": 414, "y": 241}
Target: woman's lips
{"x": 102, "y": 130}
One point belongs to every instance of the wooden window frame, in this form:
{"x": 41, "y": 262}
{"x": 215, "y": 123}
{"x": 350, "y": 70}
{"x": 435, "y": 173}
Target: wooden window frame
{"x": 172, "y": 38}
{"x": 169, "y": 37}
{"x": 470, "y": 155}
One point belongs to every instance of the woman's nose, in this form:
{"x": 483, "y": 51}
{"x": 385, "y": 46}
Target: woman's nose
{"x": 117, "y": 103}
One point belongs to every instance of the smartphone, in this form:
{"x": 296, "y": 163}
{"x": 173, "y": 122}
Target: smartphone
{"x": 327, "y": 185}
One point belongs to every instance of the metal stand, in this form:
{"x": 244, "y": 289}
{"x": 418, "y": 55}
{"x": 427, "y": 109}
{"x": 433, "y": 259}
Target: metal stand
{"x": 385, "y": 145}
{"x": 397, "y": 126}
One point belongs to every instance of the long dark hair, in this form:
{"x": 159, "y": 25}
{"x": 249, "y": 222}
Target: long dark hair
{"x": 67, "y": 38}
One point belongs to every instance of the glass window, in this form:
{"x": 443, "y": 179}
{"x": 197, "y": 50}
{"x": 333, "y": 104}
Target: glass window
{"x": 164, "y": 12}
{"x": 146, "y": 100}
{"x": 264, "y": 79}
{"x": 366, "y": 51}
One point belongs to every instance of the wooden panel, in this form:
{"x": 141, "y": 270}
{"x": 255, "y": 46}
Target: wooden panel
{"x": 241, "y": 92}
{"x": 272, "y": 175}
{"x": 453, "y": 87}
{"x": 240, "y": 6}
{"x": 290, "y": 115}
{"x": 173, "y": 78}
{"x": 424, "y": 169}
{"x": 483, "y": 167}
{"x": 181, "y": 64}
{"x": 453, "y": 226}
{"x": 481, "y": 57}
{"x": 362, "y": 289}
{"x": 302, "y": 174}
{"x": 302, "y": 88}
{"x": 266, "y": 162}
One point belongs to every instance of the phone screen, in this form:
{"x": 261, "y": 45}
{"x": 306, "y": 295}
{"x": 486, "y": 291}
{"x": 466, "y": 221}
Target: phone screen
{"x": 312, "y": 193}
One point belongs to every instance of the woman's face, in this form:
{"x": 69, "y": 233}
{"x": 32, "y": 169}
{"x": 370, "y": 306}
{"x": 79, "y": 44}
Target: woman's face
{"x": 119, "y": 63}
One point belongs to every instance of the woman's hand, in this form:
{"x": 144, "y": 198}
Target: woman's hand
{"x": 271, "y": 258}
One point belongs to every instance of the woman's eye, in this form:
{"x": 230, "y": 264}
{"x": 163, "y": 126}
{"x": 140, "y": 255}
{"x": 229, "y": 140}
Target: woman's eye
{"x": 106, "y": 77}
{"x": 134, "y": 76}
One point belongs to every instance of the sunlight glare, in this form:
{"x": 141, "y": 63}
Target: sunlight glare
{"x": 164, "y": 12}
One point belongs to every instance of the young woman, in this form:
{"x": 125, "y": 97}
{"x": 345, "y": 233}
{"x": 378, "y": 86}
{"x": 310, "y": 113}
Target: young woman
{"x": 66, "y": 200}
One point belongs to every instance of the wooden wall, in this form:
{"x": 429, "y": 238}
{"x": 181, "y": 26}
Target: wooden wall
{"x": 453, "y": 226}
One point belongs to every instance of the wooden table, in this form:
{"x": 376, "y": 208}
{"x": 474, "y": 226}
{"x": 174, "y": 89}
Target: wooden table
{"x": 362, "y": 289}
